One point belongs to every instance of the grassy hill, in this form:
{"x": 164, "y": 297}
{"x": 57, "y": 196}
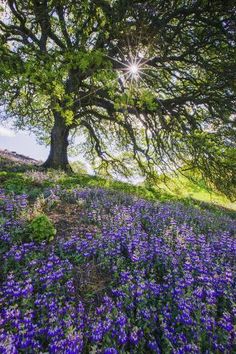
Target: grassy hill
{"x": 90, "y": 265}
{"x": 196, "y": 190}
{"x": 22, "y": 174}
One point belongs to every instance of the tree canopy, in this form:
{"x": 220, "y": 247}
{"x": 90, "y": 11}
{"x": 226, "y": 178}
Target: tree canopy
{"x": 149, "y": 85}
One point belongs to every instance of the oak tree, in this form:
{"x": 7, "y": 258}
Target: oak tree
{"x": 147, "y": 84}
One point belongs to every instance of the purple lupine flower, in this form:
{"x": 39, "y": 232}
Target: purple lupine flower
{"x": 110, "y": 351}
{"x": 167, "y": 268}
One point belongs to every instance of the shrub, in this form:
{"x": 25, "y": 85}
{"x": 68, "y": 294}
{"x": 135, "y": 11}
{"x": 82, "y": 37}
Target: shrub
{"x": 41, "y": 228}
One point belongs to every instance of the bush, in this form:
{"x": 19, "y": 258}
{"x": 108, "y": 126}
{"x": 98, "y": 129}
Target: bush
{"x": 41, "y": 228}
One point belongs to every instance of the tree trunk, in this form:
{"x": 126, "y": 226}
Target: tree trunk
{"x": 58, "y": 158}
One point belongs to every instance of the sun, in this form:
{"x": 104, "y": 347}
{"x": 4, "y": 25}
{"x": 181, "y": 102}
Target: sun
{"x": 133, "y": 69}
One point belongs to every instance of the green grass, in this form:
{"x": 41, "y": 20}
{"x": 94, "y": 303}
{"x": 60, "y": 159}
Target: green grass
{"x": 33, "y": 182}
{"x": 196, "y": 190}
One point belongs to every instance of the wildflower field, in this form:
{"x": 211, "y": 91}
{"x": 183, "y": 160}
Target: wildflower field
{"x": 133, "y": 276}
{"x": 118, "y": 234}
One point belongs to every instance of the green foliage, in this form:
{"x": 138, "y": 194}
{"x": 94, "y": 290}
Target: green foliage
{"x": 20, "y": 183}
{"x": 147, "y": 99}
{"x": 59, "y": 90}
{"x": 74, "y": 71}
{"x": 68, "y": 115}
{"x": 15, "y": 184}
{"x": 41, "y": 229}
{"x": 78, "y": 167}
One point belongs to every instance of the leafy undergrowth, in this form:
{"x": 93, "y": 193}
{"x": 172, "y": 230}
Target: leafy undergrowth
{"x": 121, "y": 275}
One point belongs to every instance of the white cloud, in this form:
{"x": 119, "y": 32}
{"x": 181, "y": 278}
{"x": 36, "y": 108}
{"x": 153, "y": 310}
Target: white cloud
{"x": 6, "y": 132}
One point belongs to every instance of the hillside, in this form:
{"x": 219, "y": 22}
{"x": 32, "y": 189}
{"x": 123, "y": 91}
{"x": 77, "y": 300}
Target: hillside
{"x": 12, "y": 161}
{"x": 97, "y": 266}
{"x": 130, "y": 249}
{"x": 22, "y": 174}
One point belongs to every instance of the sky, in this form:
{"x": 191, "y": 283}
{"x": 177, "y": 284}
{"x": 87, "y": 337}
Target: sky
{"x": 22, "y": 143}
{"x": 25, "y": 143}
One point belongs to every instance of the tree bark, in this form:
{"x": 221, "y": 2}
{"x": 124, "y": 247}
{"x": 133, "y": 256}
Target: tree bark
{"x": 58, "y": 158}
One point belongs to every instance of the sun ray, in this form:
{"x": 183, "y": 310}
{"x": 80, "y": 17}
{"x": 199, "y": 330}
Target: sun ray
{"x": 123, "y": 55}
{"x": 149, "y": 68}
{"x": 118, "y": 61}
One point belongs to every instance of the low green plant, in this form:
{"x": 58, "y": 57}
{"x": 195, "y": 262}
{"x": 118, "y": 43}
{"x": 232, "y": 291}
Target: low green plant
{"x": 15, "y": 184}
{"x": 41, "y": 229}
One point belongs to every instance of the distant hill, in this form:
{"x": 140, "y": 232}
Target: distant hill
{"x": 18, "y": 158}
{"x": 11, "y": 161}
